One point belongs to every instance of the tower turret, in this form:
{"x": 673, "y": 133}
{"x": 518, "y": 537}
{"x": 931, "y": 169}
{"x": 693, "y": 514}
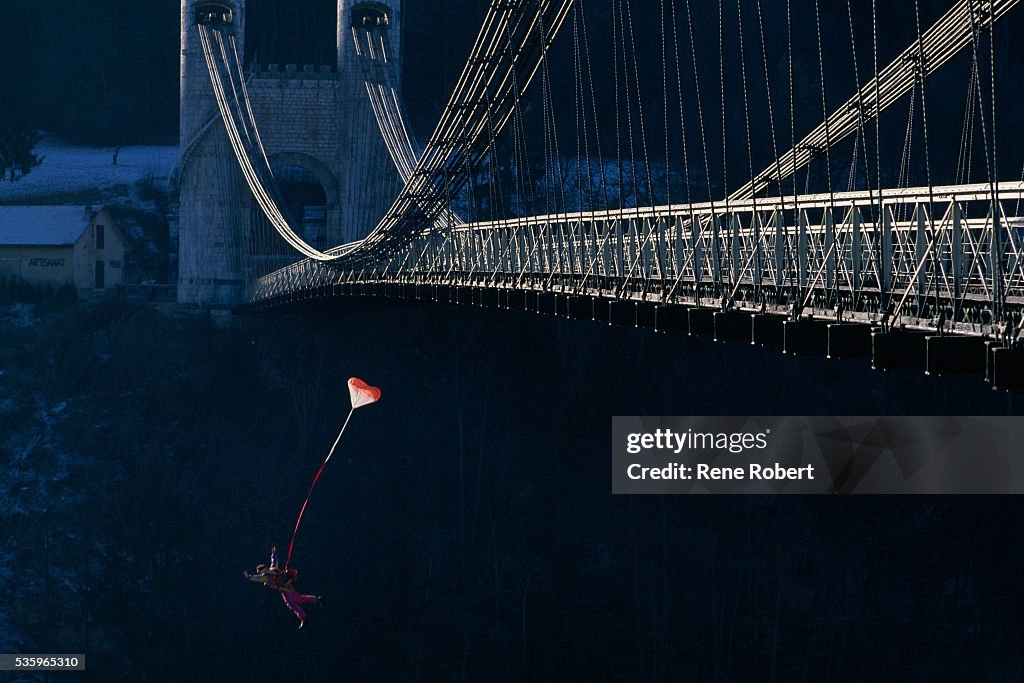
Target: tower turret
{"x": 197, "y": 103}
{"x": 363, "y": 13}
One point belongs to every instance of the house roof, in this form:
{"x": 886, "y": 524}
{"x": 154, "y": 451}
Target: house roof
{"x": 41, "y": 225}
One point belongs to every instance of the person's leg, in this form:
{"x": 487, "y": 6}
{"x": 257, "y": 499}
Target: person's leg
{"x": 294, "y": 606}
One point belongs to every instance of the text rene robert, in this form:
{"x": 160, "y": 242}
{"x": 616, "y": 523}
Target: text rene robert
{"x": 754, "y": 471}
{"x": 734, "y": 442}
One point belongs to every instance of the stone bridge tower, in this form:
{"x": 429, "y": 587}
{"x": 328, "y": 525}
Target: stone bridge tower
{"x": 322, "y": 141}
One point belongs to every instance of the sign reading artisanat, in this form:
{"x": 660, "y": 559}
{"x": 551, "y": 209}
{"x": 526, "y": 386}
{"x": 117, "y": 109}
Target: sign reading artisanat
{"x": 42, "y": 262}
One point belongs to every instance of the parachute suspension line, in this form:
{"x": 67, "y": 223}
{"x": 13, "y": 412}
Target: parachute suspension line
{"x": 302, "y": 511}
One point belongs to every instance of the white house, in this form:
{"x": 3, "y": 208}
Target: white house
{"x": 60, "y": 245}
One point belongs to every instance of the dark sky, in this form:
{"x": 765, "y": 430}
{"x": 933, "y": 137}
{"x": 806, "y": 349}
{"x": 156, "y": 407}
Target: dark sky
{"x": 107, "y": 73}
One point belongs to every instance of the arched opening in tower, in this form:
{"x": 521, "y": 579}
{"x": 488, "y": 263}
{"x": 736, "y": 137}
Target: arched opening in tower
{"x": 214, "y": 14}
{"x": 306, "y": 200}
{"x": 371, "y": 15}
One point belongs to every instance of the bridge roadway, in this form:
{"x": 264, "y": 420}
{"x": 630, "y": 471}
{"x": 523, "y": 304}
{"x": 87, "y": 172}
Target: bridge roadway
{"x": 813, "y": 273}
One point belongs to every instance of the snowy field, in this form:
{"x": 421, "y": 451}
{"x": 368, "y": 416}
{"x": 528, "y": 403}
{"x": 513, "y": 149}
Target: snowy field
{"x": 70, "y": 171}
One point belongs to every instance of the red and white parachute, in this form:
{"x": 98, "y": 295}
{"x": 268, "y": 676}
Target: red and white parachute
{"x": 362, "y": 393}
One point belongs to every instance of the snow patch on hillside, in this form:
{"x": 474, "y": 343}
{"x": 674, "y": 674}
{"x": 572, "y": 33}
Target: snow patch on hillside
{"x": 69, "y": 170}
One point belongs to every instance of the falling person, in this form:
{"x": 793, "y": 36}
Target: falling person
{"x": 273, "y": 577}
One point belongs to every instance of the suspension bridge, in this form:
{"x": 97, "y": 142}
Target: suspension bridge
{"x": 633, "y": 216}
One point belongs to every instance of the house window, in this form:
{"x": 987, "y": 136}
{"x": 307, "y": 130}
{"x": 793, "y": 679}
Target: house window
{"x": 99, "y": 236}
{"x": 100, "y": 279}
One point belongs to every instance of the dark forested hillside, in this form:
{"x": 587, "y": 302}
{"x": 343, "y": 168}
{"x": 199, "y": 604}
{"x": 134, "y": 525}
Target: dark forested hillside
{"x": 466, "y": 528}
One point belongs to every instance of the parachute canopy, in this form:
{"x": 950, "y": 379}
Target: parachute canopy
{"x": 362, "y": 393}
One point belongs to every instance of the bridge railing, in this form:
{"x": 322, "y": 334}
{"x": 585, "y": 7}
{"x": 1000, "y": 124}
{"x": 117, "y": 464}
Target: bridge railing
{"x": 906, "y": 251}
